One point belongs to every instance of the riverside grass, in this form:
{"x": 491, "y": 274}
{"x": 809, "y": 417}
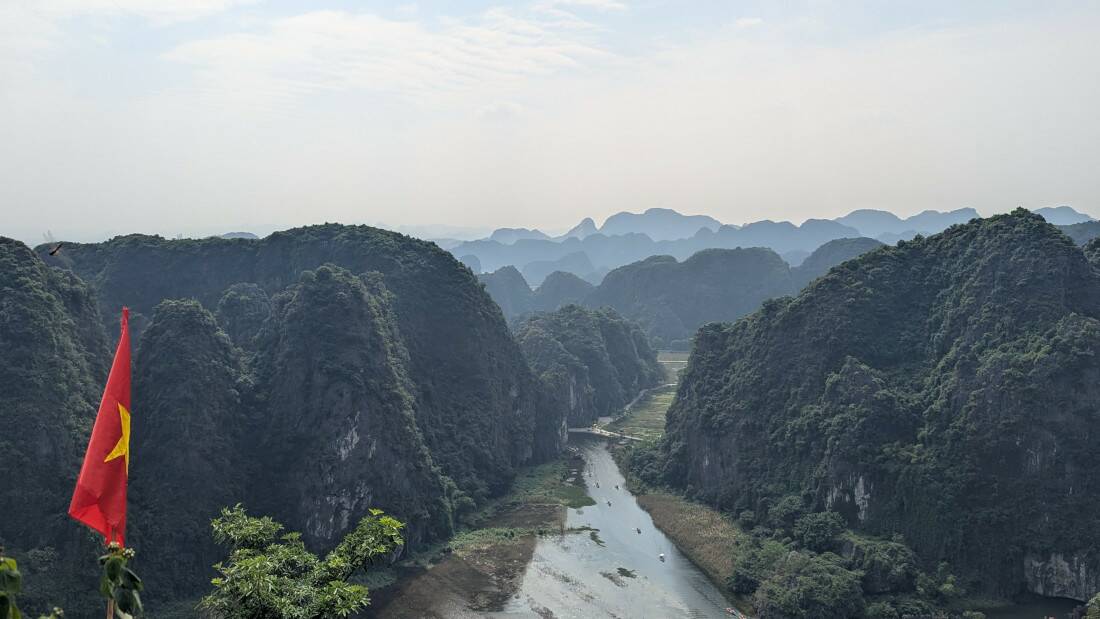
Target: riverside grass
{"x": 707, "y": 537}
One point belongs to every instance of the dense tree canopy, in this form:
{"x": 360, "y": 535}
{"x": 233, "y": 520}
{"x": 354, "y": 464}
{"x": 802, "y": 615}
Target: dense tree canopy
{"x": 945, "y": 389}
{"x": 593, "y": 361}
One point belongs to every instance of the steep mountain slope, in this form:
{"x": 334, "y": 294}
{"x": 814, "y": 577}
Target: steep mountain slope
{"x": 1083, "y": 232}
{"x": 593, "y": 361}
{"x": 586, "y": 227}
{"x": 53, "y": 360}
{"x": 945, "y": 390}
{"x": 336, "y": 430}
{"x": 471, "y": 262}
{"x": 51, "y": 377}
{"x": 189, "y": 431}
{"x": 671, "y": 299}
{"x": 241, "y": 312}
{"x": 558, "y": 289}
{"x": 476, "y": 400}
{"x": 828, "y": 256}
{"x": 509, "y": 290}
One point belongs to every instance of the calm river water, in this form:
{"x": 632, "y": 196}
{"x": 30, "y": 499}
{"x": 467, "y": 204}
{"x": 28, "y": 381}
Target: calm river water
{"x": 612, "y": 571}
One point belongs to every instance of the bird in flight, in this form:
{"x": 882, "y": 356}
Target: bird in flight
{"x": 53, "y": 252}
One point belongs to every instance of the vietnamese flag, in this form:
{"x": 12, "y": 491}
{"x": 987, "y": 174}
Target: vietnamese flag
{"x": 99, "y": 499}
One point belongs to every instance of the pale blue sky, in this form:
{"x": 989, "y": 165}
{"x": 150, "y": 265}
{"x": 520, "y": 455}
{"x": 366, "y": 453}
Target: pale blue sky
{"x": 195, "y": 116}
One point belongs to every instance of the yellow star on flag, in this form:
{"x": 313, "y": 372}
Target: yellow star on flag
{"x": 122, "y": 447}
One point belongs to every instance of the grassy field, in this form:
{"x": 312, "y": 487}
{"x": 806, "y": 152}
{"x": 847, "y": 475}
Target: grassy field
{"x": 707, "y": 537}
{"x": 557, "y": 482}
{"x": 647, "y": 419}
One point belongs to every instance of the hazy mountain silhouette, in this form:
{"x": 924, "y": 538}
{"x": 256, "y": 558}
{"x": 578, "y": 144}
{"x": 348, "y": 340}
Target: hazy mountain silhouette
{"x": 1062, "y": 215}
{"x": 659, "y": 224}
{"x": 508, "y": 236}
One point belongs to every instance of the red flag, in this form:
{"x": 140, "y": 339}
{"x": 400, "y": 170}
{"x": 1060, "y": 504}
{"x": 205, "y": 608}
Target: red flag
{"x": 99, "y": 499}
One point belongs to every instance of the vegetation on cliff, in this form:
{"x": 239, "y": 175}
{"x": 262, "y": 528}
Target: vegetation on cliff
{"x": 593, "y": 362}
{"x": 347, "y": 368}
{"x": 942, "y": 391}
{"x": 672, "y": 299}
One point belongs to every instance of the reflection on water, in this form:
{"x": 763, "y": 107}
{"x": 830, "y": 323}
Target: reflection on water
{"x": 608, "y": 569}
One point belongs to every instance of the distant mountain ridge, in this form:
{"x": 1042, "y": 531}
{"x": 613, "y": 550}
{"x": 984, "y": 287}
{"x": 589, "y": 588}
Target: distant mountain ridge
{"x": 875, "y": 223}
{"x": 629, "y": 237}
{"x": 671, "y": 299}
{"x": 659, "y": 224}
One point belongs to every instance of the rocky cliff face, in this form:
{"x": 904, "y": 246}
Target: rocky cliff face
{"x": 593, "y": 362}
{"x": 242, "y": 311}
{"x": 52, "y": 368}
{"x": 336, "y": 431}
{"x": 190, "y": 429}
{"x": 1075, "y": 576}
{"x": 477, "y": 402}
{"x": 53, "y": 357}
{"x": 945, "y": 389}
{"x": 347, "y": 368}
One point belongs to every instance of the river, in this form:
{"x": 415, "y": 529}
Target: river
{"x": 608, "y": 569}
{"x": 601, "y": 567}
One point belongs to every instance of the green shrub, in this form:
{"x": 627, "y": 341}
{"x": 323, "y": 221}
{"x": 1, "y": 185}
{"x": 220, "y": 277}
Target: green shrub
{"x": 819, "y": 531}
{"x": 810, "y": 586}
{"x": 271, "y": 575}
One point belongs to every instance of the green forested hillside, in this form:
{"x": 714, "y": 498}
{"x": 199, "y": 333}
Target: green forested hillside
{"x": 336, "y": 416}
{"x": 346, "y": 368}
{"x": 509, "y": 290}
{"x": 190, "y": 431}
{"x": 593, "y": 361}
{"x": 558, "y": 289}
{"x": 671, "y": 299}
{"x": 828, "y": 256}
{"x": 943, "y": 391}
{"x": 447, "y": 323}
{"x": 52, "y": 370}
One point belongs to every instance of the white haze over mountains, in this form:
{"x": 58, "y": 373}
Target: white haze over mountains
{"x": 203, "y": 116}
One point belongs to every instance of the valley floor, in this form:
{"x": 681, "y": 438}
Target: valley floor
{"x": 481, "y": 567}
{"x": 704, "y": 535}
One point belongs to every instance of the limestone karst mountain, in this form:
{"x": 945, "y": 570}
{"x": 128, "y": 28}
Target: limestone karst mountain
{"x": 943, "y": 390}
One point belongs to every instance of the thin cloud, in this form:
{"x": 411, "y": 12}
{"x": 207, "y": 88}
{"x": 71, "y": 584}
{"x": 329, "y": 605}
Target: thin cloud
{"x": 748, "y": 22}
{"x": 156, "y": 11}
{"x": 340, "y": 51}
{"x": 599, "y": 5}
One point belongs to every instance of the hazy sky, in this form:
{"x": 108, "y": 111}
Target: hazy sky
{"x": 191, "y": 116}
